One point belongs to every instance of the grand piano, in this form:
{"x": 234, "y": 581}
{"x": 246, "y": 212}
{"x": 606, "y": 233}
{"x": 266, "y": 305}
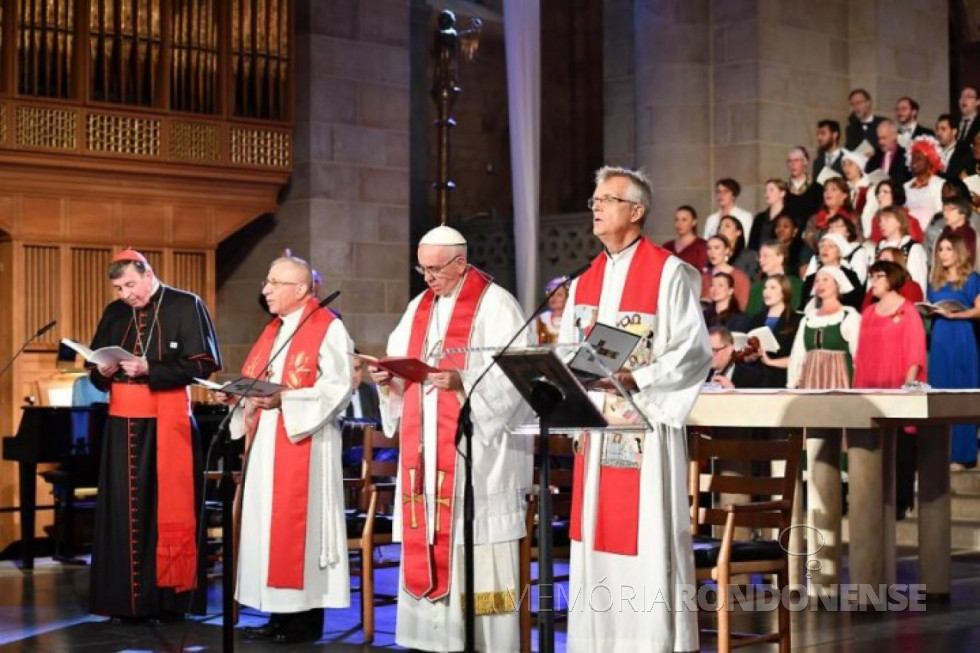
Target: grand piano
{"x": 72, "y": 437}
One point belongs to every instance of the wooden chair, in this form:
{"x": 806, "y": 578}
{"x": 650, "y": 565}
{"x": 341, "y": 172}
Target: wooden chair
{"x": 723, "y": 559}
{"x": 370, "y": 508}
{"x": 562, "y": 457}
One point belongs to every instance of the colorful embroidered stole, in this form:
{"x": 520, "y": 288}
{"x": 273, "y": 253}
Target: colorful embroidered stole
{"x": 618, "y": 509}
{"x": 427, "y": 568}
{"x": 291, "y": 468}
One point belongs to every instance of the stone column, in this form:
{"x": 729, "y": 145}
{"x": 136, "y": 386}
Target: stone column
{"x": 672, "y": 103}
{"x": 347, "y": 206}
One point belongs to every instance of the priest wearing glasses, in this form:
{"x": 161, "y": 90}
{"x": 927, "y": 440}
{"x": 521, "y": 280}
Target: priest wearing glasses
{"x": 462, "y": 308}
{"x": 630, "y": 527}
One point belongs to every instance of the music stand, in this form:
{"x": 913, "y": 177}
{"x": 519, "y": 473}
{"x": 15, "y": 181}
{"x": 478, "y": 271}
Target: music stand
{"x": 560, "y": 402}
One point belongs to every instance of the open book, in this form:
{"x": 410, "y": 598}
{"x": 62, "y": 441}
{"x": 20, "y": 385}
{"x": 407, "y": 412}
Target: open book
{"x": 105, "y": 356}
{"x": 865, "y": 148}
{"x": 950, "y": 305}
{"x": 243, "y": 387}
{"x": 767, "y": 339}
{"x": 404, "y": 367}
{"x": 973, "y": 184}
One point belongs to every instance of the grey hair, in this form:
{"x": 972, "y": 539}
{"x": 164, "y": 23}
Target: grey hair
{"x": 640, "y": 190}
{"x": 297, "y": 262}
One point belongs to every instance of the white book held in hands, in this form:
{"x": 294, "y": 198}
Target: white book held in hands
{"x": 767, "y": 339}
{"x": 105, "y": 356}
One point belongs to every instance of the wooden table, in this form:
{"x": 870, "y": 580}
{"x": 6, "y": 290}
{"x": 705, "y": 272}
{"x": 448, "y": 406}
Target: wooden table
{"x": 871, "y": 465}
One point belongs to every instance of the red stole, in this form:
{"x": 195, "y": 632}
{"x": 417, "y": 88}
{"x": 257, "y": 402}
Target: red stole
{"x": 427, "y": 568}
{"x": 618, "y": 508}
{"x": 291, "y": 469}
{"x": 176, "y": 552}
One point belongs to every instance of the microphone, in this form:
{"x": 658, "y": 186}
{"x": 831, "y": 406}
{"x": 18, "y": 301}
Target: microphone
{"x": 37, "y": 334}
{"x": 328, "y": 299}
{"x": 47, "y": 327}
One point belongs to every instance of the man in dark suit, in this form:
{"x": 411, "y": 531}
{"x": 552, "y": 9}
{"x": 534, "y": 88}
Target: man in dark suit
{"x": 891, "y": 156}
{"x": 956, "y": 156}
{"x": 907, "y": 121}
{"x": 828, "y": 148}
{"x": 969, "y": 125}
{"x": 862, "y": 123}
{"x": 363, "y": 410}
{"x": 726, "y": 370}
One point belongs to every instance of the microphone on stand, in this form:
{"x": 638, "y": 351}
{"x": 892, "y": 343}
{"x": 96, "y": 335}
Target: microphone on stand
{"x": 37, "y": 334}
{"x": 464, "y": 431}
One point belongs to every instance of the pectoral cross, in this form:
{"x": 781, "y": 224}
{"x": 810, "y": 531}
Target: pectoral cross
{"x": 440, "y": 500}
{"x": 412, "y": 498}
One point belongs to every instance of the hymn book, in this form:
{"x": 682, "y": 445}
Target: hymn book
{"x": 105, "y": 356}
{"x": 243, "y": 387}
{"x": 949, "y": 305}
{"x": 973, "y": 184}
{"x": 767, "y": 339}
{"x": 405, "y": 367}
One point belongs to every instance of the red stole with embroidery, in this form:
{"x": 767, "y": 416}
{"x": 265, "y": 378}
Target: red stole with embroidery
{"x": 291, "y": 468}
{"x": 618, "y": 501}
{"x": 427, "y": 568}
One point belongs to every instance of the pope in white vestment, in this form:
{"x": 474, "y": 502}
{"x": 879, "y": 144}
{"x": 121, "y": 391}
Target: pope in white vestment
{"x": 629, "y": 573}
{"x": 502, "y": 461}
{"x": 313, "y": 559}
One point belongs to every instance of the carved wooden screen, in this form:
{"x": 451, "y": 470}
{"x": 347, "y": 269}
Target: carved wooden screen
{"x": 90, "y": 290}
{"x": 42, "y": 285}
{"x": 260, "y": 57}
{"x": 194, "y": 61}
{"x": 190, "y": 272}
{"x": 124, "y": 46}
{"x": 45, "y": 40}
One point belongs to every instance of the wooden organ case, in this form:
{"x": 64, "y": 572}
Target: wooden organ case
{"x": 161, "y": 124}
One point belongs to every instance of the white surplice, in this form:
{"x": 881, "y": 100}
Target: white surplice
{"x": 621, "y": 603}
{"x": 502, "y": 475}
{"x": 307, "y": 413}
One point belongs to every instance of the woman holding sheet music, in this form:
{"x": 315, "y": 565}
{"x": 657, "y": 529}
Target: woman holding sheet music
{"x": 953, "y": 360}
{"x": 782, "y": 320}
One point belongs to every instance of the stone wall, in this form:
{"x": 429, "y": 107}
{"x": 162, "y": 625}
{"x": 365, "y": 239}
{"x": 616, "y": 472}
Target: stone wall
{"x": 347, "y": 206}
{"x": 724, "y": 87}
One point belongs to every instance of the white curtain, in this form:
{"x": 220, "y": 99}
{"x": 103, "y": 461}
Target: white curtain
{"x": 522, "y": 36}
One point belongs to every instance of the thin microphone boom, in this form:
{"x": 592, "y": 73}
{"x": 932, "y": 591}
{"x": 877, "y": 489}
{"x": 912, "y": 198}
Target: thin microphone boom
{"x": 37, "y": 334}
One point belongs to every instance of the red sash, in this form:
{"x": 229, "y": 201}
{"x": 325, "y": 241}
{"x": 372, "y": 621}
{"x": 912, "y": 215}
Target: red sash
{"x": 291, "y": 468}
{"x": 618, "y": 501}
{"x": 427, "y": 568}
{"x": 176, "y": 552}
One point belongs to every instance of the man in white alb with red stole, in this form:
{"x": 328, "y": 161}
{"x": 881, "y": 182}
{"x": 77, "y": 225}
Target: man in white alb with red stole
{"x": 292, "y": 556}
{"x": 462, "y": 308}
{"x": 631, "y": 553}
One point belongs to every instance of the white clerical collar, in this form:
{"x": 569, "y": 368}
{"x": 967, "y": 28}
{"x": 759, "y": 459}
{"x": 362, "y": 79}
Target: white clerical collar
{"x": 628, "y": 250}
{"x": 290, "y": 321}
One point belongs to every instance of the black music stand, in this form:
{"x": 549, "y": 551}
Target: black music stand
{"x": 560, "y": 401}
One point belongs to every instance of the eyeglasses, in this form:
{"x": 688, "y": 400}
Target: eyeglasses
{"x": 718, "y": 350}
{"x": 608, "y": 199}
{"x": 275, "y": 283}
{"x": 434, "y": 269}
